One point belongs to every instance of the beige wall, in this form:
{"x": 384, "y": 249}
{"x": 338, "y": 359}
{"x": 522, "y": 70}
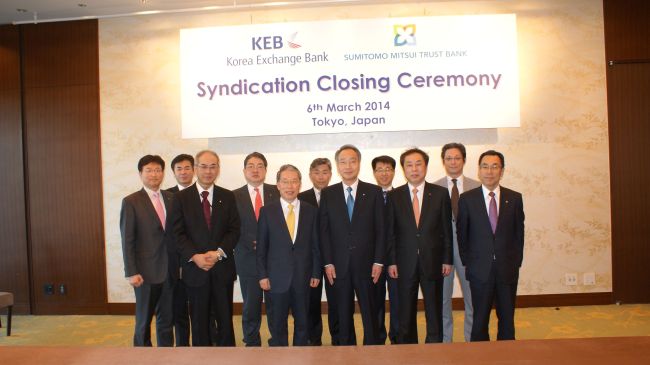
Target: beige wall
{"x": 558, "y": 158}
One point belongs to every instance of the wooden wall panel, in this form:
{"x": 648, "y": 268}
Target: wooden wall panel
{"x": 627, "y": 29}
{"x": 14, "y": 268}
{"x": 627, "y": 47}
{"x": 62, "y": 144}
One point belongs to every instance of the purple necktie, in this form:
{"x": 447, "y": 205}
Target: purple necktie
{"x": 493, "y": 214}
{"x": 206, "y": 208}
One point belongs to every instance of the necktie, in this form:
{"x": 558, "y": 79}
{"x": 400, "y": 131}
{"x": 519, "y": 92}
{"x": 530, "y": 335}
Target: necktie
{"x": 454, "y": 198}
{"x": 385, "y": 193}
{"x": 416, "y": 207}
{"x": 258, "y": 203}
{"x": 493, "y": 214}
{"x": 159, "y": 209}
{"x": 350, "y": 203}
{"x": 291, "y": 221}
{"x": 206, "y": 208}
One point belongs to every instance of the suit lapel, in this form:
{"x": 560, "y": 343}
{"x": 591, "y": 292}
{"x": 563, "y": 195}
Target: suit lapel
{"x": 504, "y": 205}
{"x": 361, "y": 198}
{"x": 246, "y": 197}
{"x": 408, "y": 204}
{"x": 427, "y": 204}
{"x": 340, "y": 202}
{"x": 148, "y": 204}
{"x": 481, "y": 207}
{"x": 269, "y": 194}
{"x": 197, "y": 205}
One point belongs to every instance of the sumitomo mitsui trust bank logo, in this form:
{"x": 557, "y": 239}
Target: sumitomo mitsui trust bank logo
{"x": 404, "y": 35}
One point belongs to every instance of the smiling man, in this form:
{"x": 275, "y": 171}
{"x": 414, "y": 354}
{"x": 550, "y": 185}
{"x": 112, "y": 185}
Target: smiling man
{"x": 490, "y": 229}
{"x": 352, "y": 234}
{"x": 419, "y": 246}
{"x": 288, "y": 258}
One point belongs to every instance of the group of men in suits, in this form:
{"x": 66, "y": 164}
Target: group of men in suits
{"x": 353, "y": 237}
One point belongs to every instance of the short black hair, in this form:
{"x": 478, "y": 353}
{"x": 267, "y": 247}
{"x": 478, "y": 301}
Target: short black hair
{"x": 346, "y": 147}
{"x": 493, "y": 153}
{"x": 183, "y": 157}
{"x": 383, "y": 159}
{"x": 411, "y": 151}
{"x": 258, "y": 155}
{"x": 147, "y": 159}
{"x": 453, "y": 145}
{"x": 320, "y": 161}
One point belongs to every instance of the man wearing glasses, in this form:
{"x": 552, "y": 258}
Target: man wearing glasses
{"x": 490, "y": 229}
{"x": 206, "y": 228}
{"x": 383, "y": 168}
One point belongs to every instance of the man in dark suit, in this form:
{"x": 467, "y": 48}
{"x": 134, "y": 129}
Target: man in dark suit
{"x": 288, "y": 258}
{"x": 250, "y": 199}
{"x": 420, "y": 246}
{"x": 490, "y": 229}
{"x": 453, "y": 159}
{"x": 352, "y": 217}
{"x": 183, "y": 169}
{"x": 383, "y": 168}
{"x": 206, "y": 228}
{"x": 144, "y": 228}
{"x": 320, "y": 173}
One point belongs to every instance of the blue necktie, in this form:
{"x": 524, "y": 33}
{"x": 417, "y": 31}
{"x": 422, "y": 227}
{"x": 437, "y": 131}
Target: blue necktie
{"x": 350, "y": 203}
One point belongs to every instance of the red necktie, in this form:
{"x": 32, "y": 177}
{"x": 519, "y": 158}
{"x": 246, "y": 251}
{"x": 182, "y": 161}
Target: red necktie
{"x": 258, "y": 203}
{"x": 206, "y": 208}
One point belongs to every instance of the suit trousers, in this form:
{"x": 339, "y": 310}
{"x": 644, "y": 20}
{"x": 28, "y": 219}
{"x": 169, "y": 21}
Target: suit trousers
{"x": 181, "y": 315}
{"x": 503, "y": 296}
{"x": 333, "y": 316}
{"x": 432, "y": 295}
{"x": 213, "y": 294}
{"x": 153, "y": 299}
{"x": 364, "y": 288}
{"x": 447, "y": 294}
{"x": 382, "y": 283}
{"x": 314, "y": 318}
{"x": 296, "y": 299}
{"x": 251, "y": 319}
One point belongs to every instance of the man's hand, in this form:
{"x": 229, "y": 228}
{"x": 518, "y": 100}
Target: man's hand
{"x": 392, "y": 271}
{"x": 314, "y": 282}
{"x": 135, "y": 280}
{"x": 203, "y": 261}
{"x": 265, "y": 284}
{"x": 213, "y": 256}
{"x": 446, "y": 269}
{"x": 376, "y": 272}
{"x": 330, "y": 273}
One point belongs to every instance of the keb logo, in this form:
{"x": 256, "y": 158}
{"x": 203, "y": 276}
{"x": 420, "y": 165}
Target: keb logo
{"x": 274, "y": 42}
{"x": 404, "y": 35}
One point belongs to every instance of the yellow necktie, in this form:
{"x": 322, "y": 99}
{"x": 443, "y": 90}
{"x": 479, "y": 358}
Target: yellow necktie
{"x": 291, "y": 221}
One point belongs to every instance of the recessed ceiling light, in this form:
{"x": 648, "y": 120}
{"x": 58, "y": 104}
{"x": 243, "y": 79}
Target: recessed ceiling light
{"x": 21, "y": 10}
{"x": 82, "y": 5}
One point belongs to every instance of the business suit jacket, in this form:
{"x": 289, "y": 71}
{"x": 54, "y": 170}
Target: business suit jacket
{"x": 245, "y": 257}
{"x": 479, "y": 247}
{"x": 144, "y": 241}
{"x": 432, "y": 239}
{"x": 193, "y": 236}
{"x": 283, "y": 262}
{"x": 309, "y": 196}
{"x": 356, "y": 244}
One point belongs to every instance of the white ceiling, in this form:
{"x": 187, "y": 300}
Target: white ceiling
{"x": 59, "y": 10}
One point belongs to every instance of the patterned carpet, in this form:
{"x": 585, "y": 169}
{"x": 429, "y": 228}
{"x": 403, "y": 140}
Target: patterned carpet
{"x": 531, "y": 323}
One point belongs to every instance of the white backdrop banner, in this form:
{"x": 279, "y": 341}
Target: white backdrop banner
{"x": 393, "y": 74}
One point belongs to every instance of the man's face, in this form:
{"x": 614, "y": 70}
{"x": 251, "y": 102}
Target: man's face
{"x": 490, "y": 171}
{"x": 384, "y": 174}
{"x": 415, "y": 168}
{"x": 320, "y": 176}
{"x": 453, "y": 162}
{"x": 289, "y": 185}
{"x": 348, "y": 165}
{"x": 184, "y": 173}
{"x": 254, "y": 171}
{"x": 207, "y": 169}
{"x": 152, "y": 175}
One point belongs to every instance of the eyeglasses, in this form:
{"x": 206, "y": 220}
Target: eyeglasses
{"x": 208, "y": 167}
{"x": 384, "y": 171}
{"x": 493, "y": 167}
{"x": 152, "y": 171}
